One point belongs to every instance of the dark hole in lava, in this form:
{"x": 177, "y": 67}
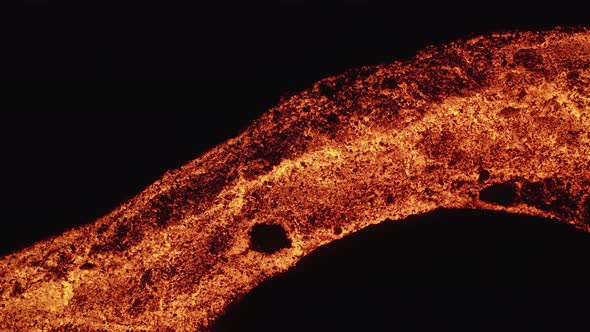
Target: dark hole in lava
{"x": 444, "y": 270}
{"x": 504, "y": 194}
{"x": 484, "y": 175}
{"x": 87, "y": 266}
{"x": 268, "y": 238}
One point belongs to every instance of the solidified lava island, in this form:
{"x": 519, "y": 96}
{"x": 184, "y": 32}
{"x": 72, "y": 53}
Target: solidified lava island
{"x": 498, "y": 122}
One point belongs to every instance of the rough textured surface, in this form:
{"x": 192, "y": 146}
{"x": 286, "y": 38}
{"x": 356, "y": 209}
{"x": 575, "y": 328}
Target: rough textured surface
{"x": 497, "y": 122}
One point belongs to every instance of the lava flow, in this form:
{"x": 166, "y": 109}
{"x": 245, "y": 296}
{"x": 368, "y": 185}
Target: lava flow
{"x": 498, "y": 122}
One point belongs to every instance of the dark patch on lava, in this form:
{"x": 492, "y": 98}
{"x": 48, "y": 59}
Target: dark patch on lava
{"x": 272, "y": 149}
{"x": 533, "y": 193}
{"x": 87, "y": 266}
{"x": 573, "y": 75}
{"x": 337, "y": 230}
{"x": 530, "y": 59}
{"x": 219, "y": 240}
{"x": 161, "y": 206}
{"x": 389, "y": 199}
{"x": 332, "y": 119}
{"x": 389, "y": 83}
{"x": 550, "y": 194}
{"x": 268, "y": 238}
{"x": 509, "y": 111}
{"x": 484, "y": 175}
{"x": 126, "y": 234}
{"x": 17, "y": 289}
{"x": 330, "y": 90}
{"x": 504, "y": 194}
{"x": 146, "y": 278}
{"x": 102, "y": 228}
{"x": 57, "y": 263}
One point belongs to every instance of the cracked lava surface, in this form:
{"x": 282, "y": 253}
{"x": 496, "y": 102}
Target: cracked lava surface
{"x": 499, "y": 122}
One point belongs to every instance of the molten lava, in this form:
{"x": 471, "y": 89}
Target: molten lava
{"x": 499, "y": 122}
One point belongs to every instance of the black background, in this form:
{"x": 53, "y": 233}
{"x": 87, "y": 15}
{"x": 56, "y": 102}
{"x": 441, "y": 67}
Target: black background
{"x": 104, "y": 97}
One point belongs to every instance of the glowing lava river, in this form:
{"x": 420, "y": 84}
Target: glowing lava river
{"x": 499, "y": 122}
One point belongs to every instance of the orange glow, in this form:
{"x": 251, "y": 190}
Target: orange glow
{"x": 500, "y": 122}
